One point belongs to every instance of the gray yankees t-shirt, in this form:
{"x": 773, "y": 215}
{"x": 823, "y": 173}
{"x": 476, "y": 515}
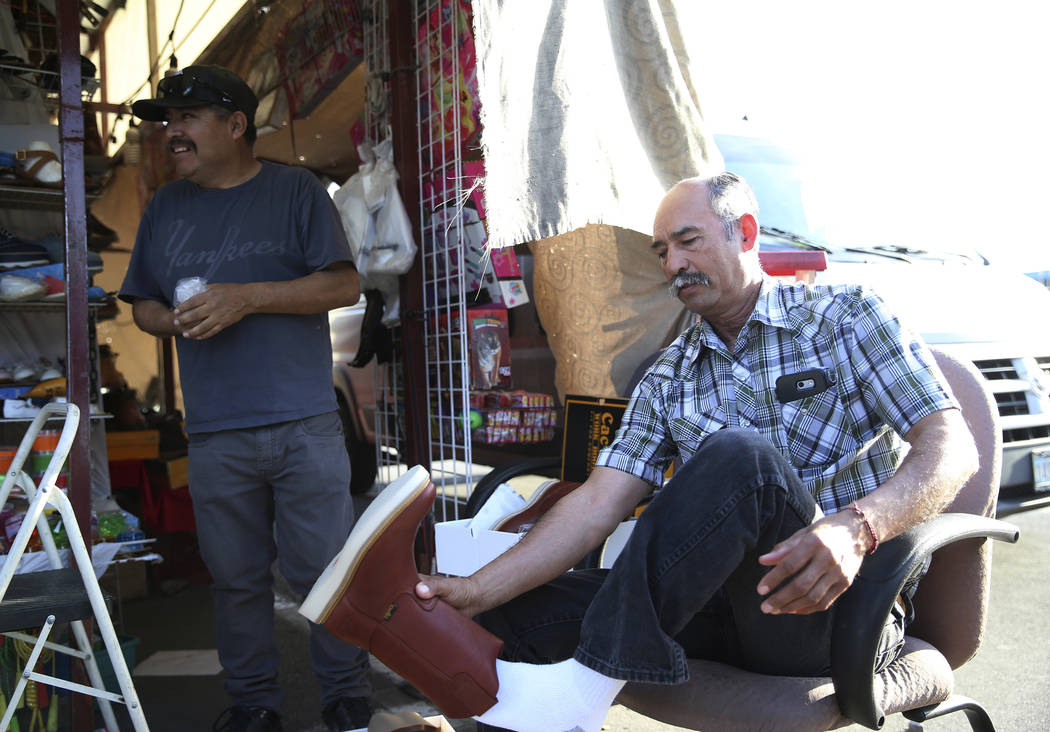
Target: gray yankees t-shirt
{"x": 278, "y": 226}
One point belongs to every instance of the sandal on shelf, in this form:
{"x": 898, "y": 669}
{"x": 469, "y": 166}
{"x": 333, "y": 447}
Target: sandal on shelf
{"x": 39, "y": 165}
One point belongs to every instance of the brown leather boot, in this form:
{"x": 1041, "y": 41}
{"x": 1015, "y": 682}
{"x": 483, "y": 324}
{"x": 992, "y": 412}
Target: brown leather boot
{"x": 367, "y": 597}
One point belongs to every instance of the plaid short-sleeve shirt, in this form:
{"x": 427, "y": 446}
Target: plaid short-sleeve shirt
{"x": 843, "y": 442}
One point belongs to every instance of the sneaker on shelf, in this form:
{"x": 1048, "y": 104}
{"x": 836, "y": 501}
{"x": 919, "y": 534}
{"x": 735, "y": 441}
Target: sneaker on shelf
{"x": 16, "y": 253}
{"x": 16, "y": 288}
{"x": 56, "y": 289}
{"x": 33, "y": 372}
{"x": 49, "y": 371}
{"x": 20, "y": 409}
{"x": 25, "y": 372}
{"x": 55, "y": 246}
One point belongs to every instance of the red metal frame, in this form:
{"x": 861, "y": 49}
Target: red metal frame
{"x": 786, "y": 264}
{"x": 71, "y": 135}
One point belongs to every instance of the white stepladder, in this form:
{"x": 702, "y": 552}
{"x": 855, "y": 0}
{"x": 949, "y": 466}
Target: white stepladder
{"x": 60, "y": 594}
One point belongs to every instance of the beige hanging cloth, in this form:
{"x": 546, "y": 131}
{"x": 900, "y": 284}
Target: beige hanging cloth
{"x": 589, "y": 115}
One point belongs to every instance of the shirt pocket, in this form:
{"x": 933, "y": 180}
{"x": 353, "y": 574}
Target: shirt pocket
{"x": 689, "y": 431}
{"x": 817, "y": 431}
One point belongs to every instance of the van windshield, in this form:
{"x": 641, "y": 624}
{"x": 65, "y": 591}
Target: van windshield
{"x": 800, "y": 199}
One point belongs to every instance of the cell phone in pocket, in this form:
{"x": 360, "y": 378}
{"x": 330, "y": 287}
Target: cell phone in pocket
{"x": 792, "y": 387}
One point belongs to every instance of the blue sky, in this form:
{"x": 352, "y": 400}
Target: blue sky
{"x": 936, "y": 112}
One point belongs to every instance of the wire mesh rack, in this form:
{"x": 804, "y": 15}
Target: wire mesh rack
{"x": 22, "y": 82}
{"x": 389, "y": 424}
{"x": 36, "y": 27}
{"x": 377, "y": 61}
{"x": 441, "y": 26}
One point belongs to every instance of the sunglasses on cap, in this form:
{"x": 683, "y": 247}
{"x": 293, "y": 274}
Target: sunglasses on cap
{"x": 191, "y": 86}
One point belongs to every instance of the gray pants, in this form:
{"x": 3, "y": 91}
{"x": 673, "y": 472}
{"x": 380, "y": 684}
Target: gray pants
{"x": 277, "y": 491}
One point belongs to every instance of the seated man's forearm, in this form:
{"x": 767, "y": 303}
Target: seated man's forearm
{"x": 574, "y": 526}
{"x": 941, "y": 459}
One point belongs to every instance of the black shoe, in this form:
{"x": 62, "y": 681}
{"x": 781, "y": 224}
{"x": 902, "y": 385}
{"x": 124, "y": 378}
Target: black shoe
{"x": 17, "y": 253}
{"x": 248, "y": 719}
{"x": 347, "y": 712}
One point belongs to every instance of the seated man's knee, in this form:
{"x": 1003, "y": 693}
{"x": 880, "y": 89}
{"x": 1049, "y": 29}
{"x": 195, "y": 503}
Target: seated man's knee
{"x": 739, "y": 451}
{"x": 737, "y": 439}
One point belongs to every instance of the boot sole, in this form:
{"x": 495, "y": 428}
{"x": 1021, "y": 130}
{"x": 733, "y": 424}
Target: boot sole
{"x": 384, "y": 509}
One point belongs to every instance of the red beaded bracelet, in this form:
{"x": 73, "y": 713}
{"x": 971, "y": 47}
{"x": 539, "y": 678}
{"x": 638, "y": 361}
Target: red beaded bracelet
{"x": 867, "y": 525}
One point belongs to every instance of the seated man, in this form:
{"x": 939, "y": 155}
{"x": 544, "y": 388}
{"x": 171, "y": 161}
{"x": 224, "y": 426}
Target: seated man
{"x": 787, "y": 405}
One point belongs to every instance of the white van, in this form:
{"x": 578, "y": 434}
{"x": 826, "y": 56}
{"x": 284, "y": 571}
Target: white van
{"x": 957, "y": 300}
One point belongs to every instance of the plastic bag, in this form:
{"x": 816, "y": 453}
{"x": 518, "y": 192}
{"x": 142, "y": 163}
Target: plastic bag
{"x": 358, "y": 222}
{"x": 187, "y": 287}
{"x": 394, "y": 248}
{"x": 374, "y": 217}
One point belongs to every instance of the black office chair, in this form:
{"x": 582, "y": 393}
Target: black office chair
{"x": 951, "y": 606}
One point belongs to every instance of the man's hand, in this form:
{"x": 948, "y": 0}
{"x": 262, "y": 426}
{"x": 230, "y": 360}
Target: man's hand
{"x": 814, "y": 566}
{"x": 459, "y": 592}
{"x": 210, "y": 312}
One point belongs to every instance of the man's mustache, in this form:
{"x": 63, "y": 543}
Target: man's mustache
{"x": 181, "y": 142}
{"x": 686, "y": 279}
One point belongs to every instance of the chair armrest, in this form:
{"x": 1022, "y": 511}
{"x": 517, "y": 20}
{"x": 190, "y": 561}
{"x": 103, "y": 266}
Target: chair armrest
{"x": 861, "y": 612}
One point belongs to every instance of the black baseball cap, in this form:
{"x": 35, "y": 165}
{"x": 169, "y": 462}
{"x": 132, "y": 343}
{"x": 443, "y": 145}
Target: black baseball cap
{"x": 198, "y": 86}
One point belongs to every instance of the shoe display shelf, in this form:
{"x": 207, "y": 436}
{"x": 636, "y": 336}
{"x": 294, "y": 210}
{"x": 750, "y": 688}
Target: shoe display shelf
{"x": 34, "y": 198}
{"x": 33, "y": 330}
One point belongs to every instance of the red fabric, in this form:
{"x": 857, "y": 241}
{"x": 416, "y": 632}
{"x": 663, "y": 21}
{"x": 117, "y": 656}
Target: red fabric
{"x": 164, "y": 509}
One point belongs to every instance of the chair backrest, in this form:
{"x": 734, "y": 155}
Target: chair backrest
{"x": 952, "y": 599}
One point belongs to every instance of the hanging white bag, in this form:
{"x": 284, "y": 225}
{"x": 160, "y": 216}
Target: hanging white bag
{"x": 394, "y": 247}
{"x": 358, "y": 219}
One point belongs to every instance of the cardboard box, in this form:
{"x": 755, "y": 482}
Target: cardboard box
{"x": 397, "y": 721}
{"x": 513, "y": 293}
{"x": 133, "y": 445}
{"x": 462, "y": 551}
{"x": 505, "y": 263}
{"x": 126, "y": 580}
{"x": 178, "y": 472}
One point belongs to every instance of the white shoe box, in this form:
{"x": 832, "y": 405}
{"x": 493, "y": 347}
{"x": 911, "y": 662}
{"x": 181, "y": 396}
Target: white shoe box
{"x": 465, "y": 546}
{"x": 462, "y": 550}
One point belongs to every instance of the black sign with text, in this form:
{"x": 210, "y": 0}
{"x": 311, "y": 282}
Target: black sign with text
{"x": 590, "y": 425}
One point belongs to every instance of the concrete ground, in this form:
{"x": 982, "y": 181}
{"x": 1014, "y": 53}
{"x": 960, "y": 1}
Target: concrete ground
{"x": 1010, "y": 675}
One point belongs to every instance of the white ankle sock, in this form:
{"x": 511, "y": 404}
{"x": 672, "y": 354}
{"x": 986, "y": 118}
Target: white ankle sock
{"x": 557, "y": 697}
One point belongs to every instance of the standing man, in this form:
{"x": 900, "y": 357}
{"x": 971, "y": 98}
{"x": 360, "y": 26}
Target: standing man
{"x": 787, "y": 405}
{"x": 269, "y": 472}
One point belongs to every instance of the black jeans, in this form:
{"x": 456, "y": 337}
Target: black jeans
{"x": 685, "y": 584}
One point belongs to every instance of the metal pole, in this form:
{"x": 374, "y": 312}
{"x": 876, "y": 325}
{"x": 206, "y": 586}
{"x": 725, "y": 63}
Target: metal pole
{"x": 71, "y": 130}
{"x": 403, "y": 115}
{"x": 71, "y": 135}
